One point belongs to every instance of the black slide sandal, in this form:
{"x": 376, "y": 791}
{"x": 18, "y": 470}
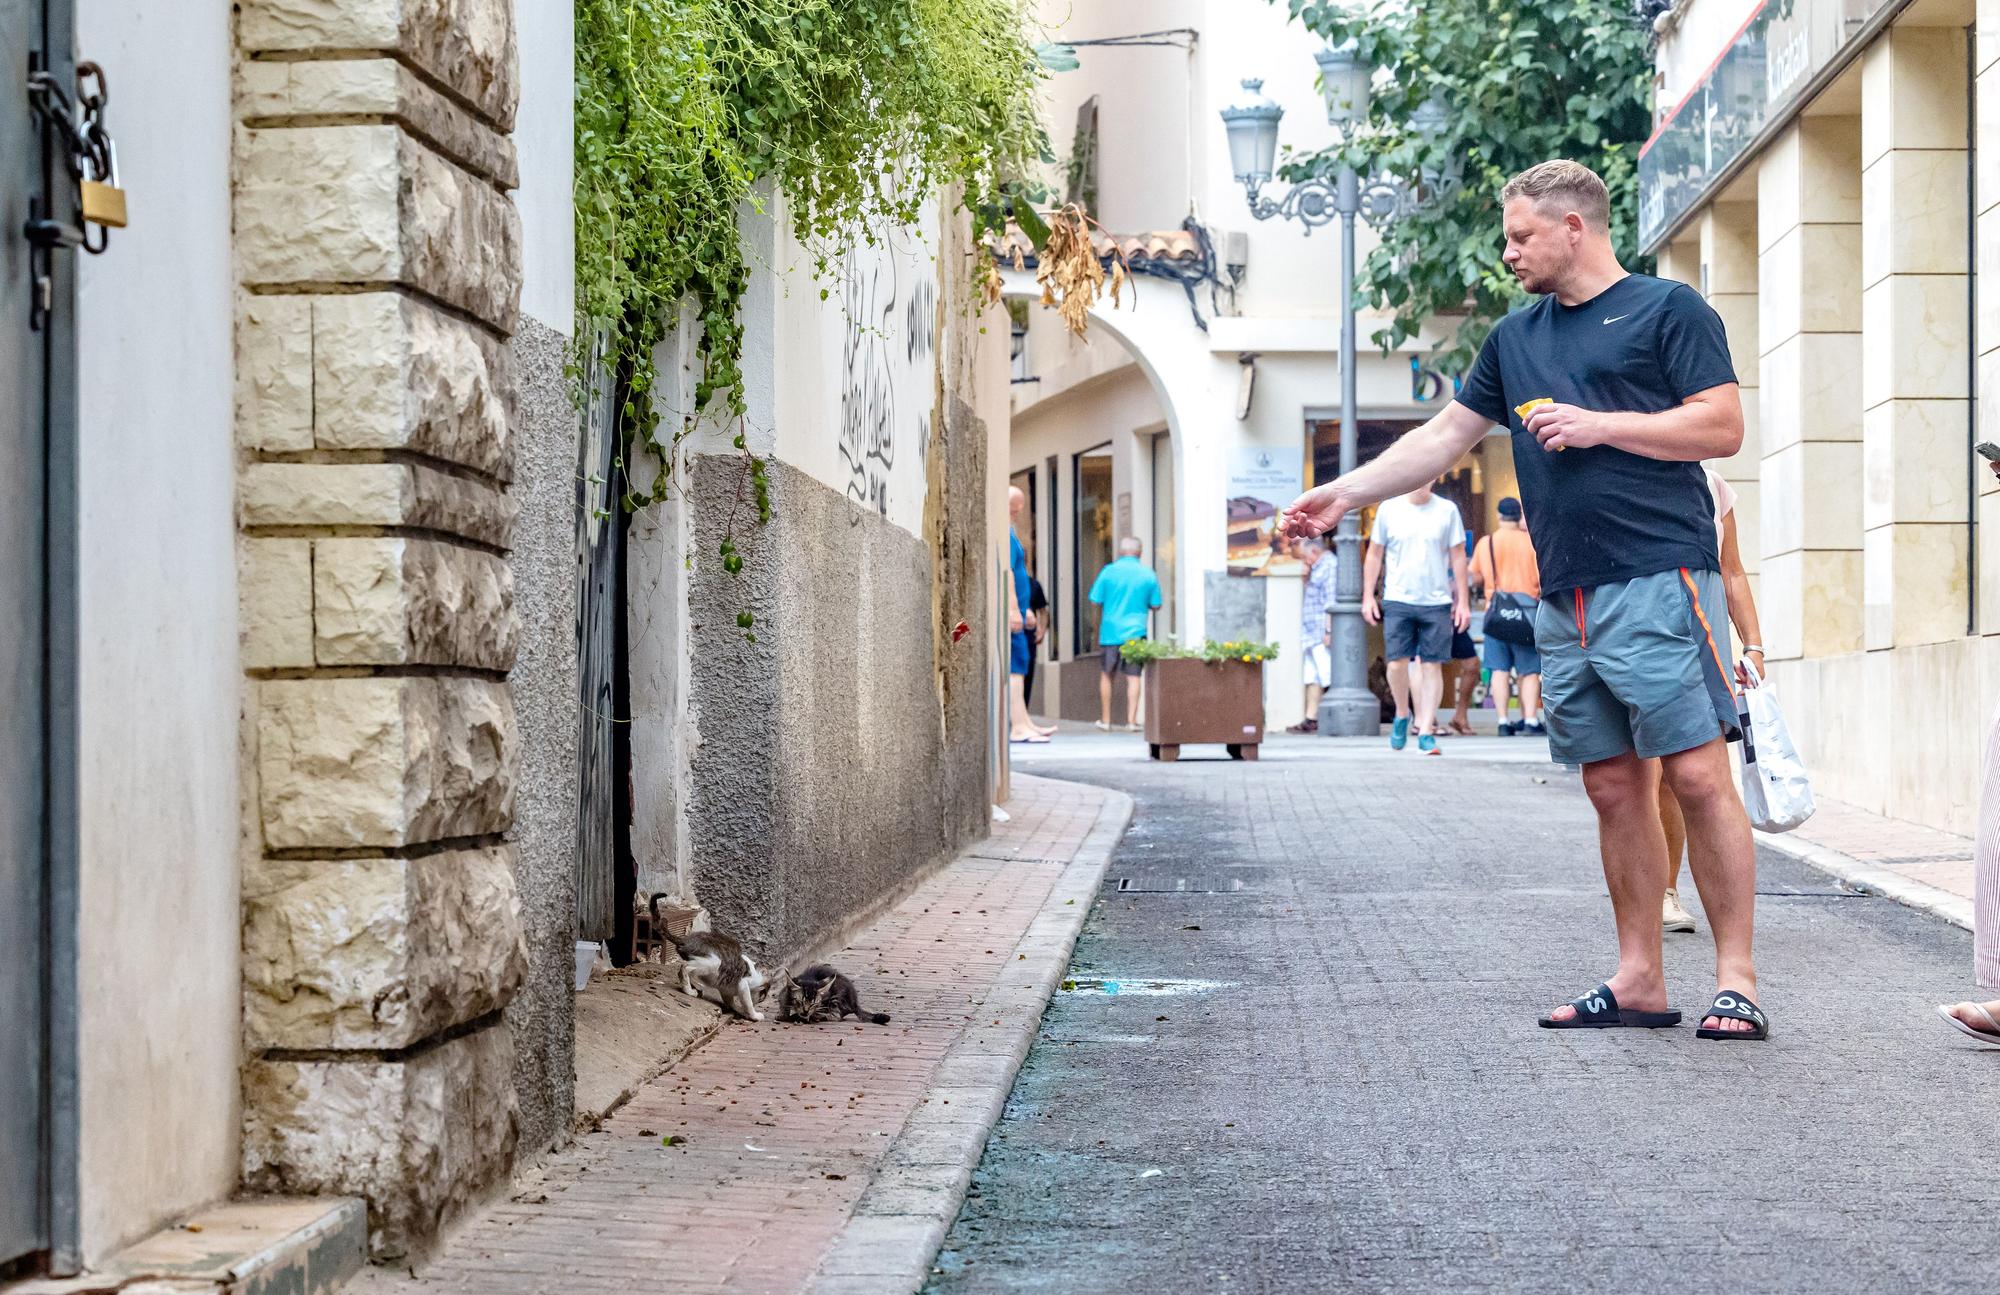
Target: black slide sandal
{"x": 1736, "y": 1006}
{"x": 1599, "y": 1010}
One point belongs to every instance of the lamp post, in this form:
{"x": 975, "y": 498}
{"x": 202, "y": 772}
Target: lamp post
{"x": 1349, "y": 707}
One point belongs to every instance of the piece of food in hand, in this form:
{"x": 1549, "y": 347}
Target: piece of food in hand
{"x": 1525, "y": 406}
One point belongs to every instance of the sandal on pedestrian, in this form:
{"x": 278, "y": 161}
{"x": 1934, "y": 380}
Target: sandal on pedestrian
{"x": 1599, "y": 1010}
{"x": 1736, "y": 1006}
{"x": 1989, "y": 1037}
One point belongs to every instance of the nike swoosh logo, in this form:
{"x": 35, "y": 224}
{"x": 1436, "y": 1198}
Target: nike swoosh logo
{"x": 1615, "y": 318}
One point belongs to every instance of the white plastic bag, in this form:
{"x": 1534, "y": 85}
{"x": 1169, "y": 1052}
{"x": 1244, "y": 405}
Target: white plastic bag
{"x": 1776, "y": 790}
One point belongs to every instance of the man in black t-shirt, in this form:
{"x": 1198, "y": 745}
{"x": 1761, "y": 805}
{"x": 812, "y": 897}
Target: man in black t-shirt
{"x": 1615, "y": 387}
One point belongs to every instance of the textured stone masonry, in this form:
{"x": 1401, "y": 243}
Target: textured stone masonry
{"x": 379, "y": 259}
{"x": 377, "y": 953}
{"x": 466, "y": 45}
{"x": 374, "y": 494}
{"x": 372, "y": 204}
{"x": 383, "y": 762}
{"x": 399, "y": 601}
{"x": 270, "y": 94}
{"x": 420, "y": 1136}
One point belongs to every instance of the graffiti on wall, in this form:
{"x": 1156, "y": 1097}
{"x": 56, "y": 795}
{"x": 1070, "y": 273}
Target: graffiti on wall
{"x": 888, "y": 377}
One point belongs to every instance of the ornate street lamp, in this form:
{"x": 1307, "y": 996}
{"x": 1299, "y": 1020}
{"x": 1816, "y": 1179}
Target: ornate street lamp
{"x": 1348, "y": 708}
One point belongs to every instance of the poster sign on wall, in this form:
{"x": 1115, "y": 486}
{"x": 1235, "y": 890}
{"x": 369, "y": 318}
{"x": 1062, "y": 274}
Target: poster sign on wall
{"x": 1262, "y": 480}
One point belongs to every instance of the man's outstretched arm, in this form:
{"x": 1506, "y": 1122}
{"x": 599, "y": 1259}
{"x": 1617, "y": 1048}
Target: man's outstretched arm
{"x": 1420, "y": 455}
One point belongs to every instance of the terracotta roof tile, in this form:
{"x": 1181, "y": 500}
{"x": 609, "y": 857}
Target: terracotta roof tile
{"x": 1157, "y": 245}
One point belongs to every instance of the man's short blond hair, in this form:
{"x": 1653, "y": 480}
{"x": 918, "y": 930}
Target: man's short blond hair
{"x": 1565, "y": 185}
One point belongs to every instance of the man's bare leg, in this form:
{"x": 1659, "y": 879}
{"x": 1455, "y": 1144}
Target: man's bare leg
{"x": 1103, "y": 699}
{"x": 1623, "y": 790}
{"x": 1427, "y": 689}
{"x": 1024, "y": 728}
{"x": 1399, "y": 687}
{"x": 1464, "y": 676}
{"x": 1133, "y": 686}
{"x": 1531, "y": 698}
{"x": 1723, "y": 858}
{"x": 1676, "y": 831}
{"x": 1503, "y": 691}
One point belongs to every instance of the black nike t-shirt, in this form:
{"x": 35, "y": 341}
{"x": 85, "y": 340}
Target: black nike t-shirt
{"x": 1599, "y": 514}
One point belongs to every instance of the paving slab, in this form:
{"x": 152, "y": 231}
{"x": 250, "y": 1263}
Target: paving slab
{"x": 784, "y": 1158}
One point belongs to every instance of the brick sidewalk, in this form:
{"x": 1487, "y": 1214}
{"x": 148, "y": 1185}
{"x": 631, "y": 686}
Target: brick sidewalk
{"x": 1915, "y": 865}
{"x": 785, "y": 1126}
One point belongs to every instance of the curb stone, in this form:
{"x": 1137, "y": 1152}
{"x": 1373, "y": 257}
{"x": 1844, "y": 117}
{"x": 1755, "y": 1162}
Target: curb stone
{"x": 900, "y": 1222}
{"x": 1874, "y": 879}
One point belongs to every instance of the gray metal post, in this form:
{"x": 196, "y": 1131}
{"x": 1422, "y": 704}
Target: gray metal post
{"x": 1348, "y": 708}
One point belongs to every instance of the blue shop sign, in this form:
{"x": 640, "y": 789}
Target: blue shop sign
{"x": 1759, "y": 77}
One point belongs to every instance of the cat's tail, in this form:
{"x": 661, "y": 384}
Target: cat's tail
{"x": 880, "y": 1018}
{"x": 654, "y": 905}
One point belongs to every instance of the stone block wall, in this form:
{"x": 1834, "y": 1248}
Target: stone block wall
{"x": 379, "y": 262}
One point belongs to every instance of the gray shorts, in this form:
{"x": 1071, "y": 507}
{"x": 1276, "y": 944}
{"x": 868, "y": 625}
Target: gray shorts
{"x": 1409, "y": 630}
{"x": 1636, "y": 665}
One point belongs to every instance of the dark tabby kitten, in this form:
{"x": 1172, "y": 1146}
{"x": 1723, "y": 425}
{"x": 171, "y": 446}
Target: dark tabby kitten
{"x": 717, "y": 962}
{"x": 820, "y": 993}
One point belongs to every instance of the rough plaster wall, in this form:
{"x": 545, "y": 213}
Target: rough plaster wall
{"x": 545, "y": 700}
{"x": 736, "y": 871}
{"x": 828, "y": 779}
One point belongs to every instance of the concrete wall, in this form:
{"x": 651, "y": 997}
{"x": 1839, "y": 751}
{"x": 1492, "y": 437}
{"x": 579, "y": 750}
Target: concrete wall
{"x": 545, "y": 701}
{"x": 547, "y": 430}
{"x": 798, "y": 774}
{"x": 158, "y": 978}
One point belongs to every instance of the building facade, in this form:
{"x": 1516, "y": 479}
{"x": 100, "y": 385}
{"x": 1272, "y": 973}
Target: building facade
{"x": 1823, "y": 173}
{"x": 1214, "y": 388}
{"x": 309, "y": 807}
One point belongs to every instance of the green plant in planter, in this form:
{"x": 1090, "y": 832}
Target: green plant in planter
{"x": 1140, "y": 651}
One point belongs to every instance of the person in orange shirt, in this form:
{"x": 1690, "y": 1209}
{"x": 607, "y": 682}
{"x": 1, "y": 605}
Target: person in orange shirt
{"x": 1503, "y": 564}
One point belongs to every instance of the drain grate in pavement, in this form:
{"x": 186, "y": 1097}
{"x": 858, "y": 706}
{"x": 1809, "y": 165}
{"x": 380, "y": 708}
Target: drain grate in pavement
{"x": 1211, "y": 884}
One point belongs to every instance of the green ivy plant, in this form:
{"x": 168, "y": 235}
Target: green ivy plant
{"x": 856, "y": 111}
{"x": 1524, "y": 83}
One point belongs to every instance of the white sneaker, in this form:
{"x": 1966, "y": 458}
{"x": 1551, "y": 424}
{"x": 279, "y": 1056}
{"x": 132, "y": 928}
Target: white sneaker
{"x": 1672, "y": 916}
{"x": 1102, "y": 725}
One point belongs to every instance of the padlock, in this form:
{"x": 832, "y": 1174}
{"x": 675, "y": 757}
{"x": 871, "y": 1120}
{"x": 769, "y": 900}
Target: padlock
{"x": 103, "y": 202}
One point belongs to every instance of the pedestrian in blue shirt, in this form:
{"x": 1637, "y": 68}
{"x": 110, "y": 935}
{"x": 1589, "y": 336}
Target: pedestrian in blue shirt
{"x": 1127, "y": 591}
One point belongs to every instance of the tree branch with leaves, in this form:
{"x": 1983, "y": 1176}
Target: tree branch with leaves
{"x": 1523, "y": 84}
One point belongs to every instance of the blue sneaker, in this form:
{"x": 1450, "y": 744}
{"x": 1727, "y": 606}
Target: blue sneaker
{"x": 1428, "y": 745}
{"x": 1399, "y": 734}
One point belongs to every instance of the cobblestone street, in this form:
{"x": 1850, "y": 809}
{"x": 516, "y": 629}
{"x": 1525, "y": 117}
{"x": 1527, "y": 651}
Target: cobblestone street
{"x": 1298, "y": 1052}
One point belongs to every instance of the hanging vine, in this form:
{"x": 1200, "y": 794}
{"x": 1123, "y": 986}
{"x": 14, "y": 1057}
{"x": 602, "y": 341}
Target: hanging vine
{"x": 856, "y": 111}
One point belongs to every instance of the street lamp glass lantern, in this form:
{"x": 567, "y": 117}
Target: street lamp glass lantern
{"x": 1252, "y": 124}
{"x": 1344, "y": 80}
{"x": 1431, "y": 117}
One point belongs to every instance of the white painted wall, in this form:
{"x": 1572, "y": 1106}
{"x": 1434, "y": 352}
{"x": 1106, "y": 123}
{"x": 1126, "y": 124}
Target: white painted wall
{"x": 543, "y": 134}
{"x": 859, "y": 387}
{"x": 159, "y": 980}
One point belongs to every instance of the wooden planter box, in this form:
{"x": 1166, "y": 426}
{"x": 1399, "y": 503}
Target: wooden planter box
{"x": 1189, "y": 700}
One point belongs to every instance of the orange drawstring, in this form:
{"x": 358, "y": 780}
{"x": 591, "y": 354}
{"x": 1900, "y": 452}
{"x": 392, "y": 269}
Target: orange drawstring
{"x": 1583, "y": 633}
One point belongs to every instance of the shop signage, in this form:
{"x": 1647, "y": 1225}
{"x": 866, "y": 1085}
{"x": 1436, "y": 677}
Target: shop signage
{"x": 1261, "y": 481}
{"x": 1760, "y": 75}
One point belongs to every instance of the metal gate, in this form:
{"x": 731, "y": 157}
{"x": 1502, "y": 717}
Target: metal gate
{"x": 37, "y": 655}
{"x": 604, "y": 820}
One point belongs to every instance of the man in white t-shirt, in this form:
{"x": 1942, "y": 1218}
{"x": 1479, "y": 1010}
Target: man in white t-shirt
{"x": 1423, "y": 600}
